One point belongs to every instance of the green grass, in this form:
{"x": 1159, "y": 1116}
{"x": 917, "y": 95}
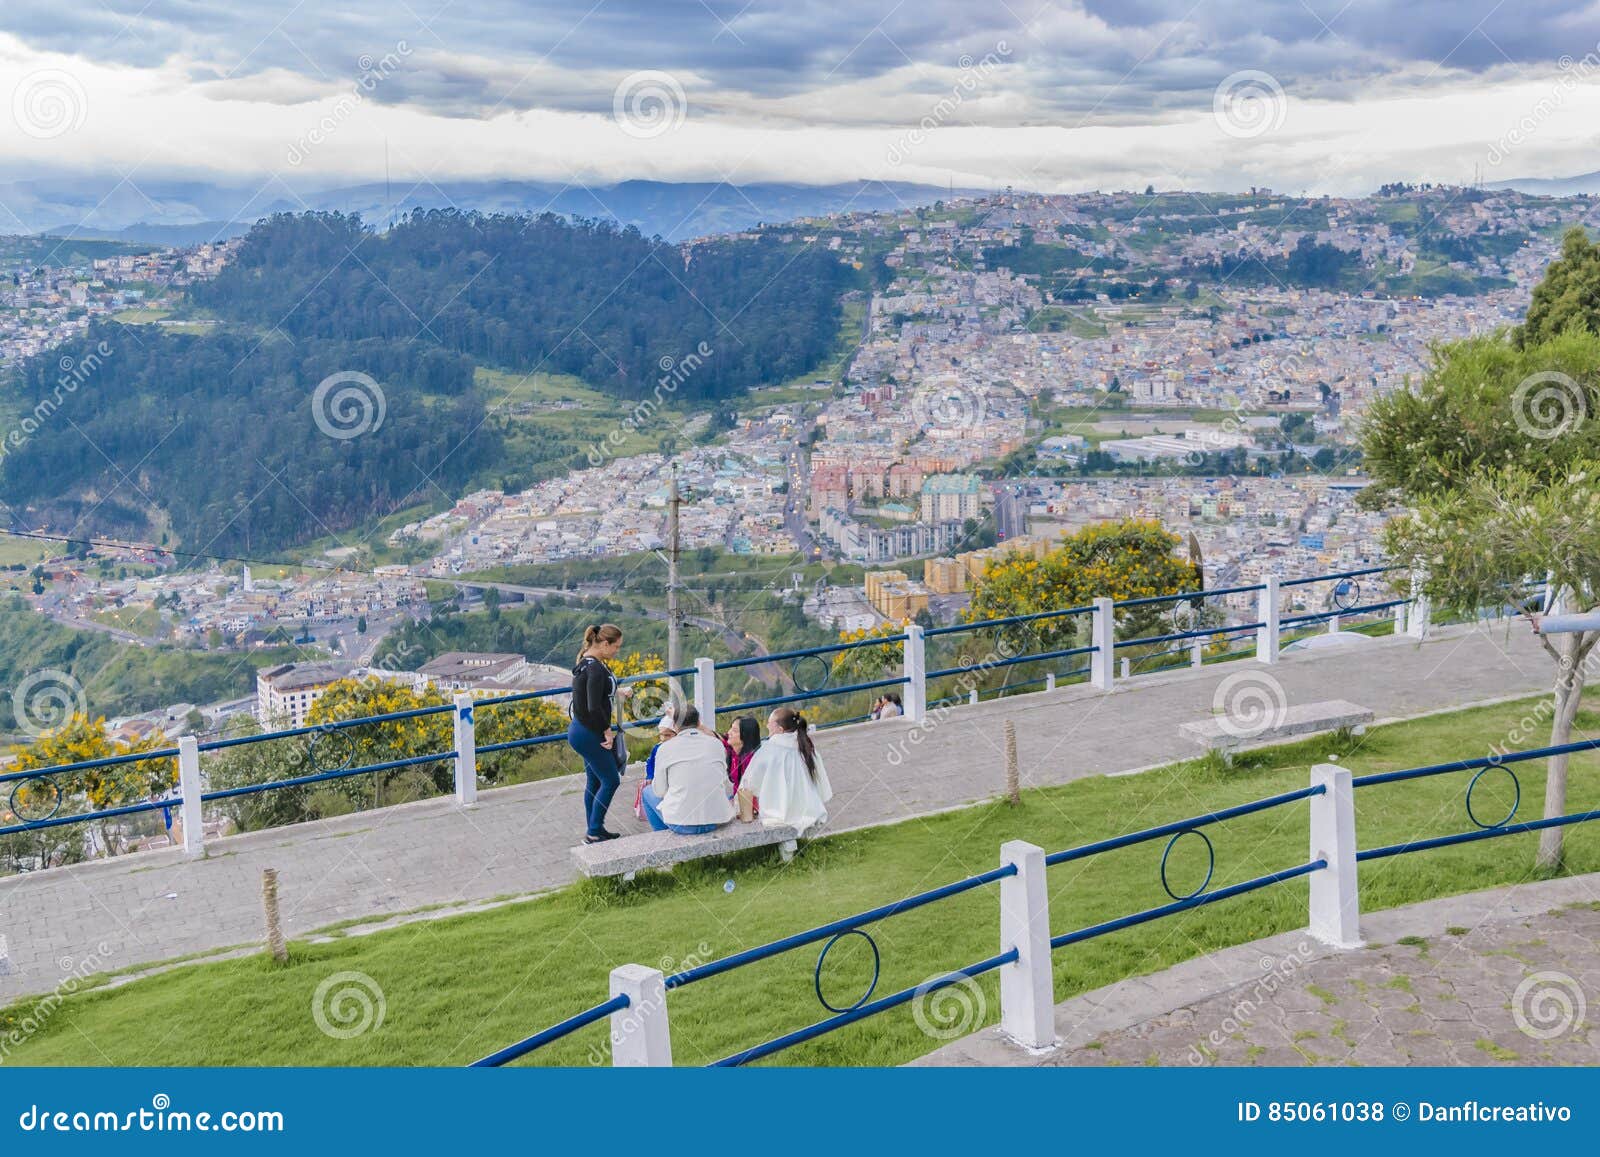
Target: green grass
{"x": 457, "y": 988}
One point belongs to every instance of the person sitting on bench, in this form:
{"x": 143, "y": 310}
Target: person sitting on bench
{"x": 689, "y": 793}
{"x": 787, "y": 773}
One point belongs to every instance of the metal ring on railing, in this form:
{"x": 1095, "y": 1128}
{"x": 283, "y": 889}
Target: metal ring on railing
{"x": 55, "y": 806}
{"x": 1346, "y": 594}
{"x": 338, "y": 745}
{"x": 877, "y": 962}
{"x": 1211, "y": 865}
{"x": 1516, "y": 800}
{"x": 816, "y": 676}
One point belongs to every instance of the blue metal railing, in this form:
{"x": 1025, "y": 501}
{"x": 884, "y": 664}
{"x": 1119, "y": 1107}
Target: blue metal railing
{"x": 324, "y": 768}
{"x": 867, "y": 1007}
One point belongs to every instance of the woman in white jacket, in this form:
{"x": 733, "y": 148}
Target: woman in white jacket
{"x": 787, "y": 775}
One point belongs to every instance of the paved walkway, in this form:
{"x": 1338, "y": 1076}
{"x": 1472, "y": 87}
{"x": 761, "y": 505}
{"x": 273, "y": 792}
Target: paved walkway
{"x": 1509, "y": 976}
{"x": 153, "y": 906}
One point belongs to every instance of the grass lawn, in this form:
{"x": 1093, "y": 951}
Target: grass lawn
{"x": 457, "y": 988}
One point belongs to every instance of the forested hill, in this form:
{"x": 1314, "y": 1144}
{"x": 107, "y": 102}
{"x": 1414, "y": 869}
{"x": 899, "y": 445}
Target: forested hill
{"x": 589, "y": 299}
{"x": 225, "y": 435}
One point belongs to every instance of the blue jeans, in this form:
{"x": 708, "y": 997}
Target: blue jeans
{"x": 652, "y": 812}
{"x": 601, "y": 775}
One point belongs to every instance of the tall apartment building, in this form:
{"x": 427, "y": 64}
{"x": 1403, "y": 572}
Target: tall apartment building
{"x": 951, "y": 496}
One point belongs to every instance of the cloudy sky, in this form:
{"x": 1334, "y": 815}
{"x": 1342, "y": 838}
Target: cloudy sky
{"x": 1315, "y": 95}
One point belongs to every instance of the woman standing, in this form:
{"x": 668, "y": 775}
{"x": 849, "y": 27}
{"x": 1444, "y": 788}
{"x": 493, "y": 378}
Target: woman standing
{"x": 590, "y": 733}
{"x": 787, "y": 773}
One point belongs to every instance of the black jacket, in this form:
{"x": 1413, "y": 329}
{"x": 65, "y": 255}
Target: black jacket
{"x": 592, "y": 688}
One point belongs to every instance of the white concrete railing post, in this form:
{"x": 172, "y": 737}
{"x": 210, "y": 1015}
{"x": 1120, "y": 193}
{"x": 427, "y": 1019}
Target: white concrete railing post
{"x": 1335, "y": 903}
{"x": 1419, "y": 613}
{"x": 1400, "y": 619}
{"x": 466, "y": 745}
{"x": 972, "y": 697}
{"x": 705, "y": 691}
{"x": 194, "y": 833}
{"x": 1197, "y": 653}
{"x": 1027, "y": 985}
{"x": 1103, "y": 637}
{"x": 914, "y": 667}
{"x": 1050, "y": 681}
{"x": 1267, "y": 615}
{"x": 639, "y": 1035}
{"x": 1127, "y": 667}
{"x": 1333, "y": 624}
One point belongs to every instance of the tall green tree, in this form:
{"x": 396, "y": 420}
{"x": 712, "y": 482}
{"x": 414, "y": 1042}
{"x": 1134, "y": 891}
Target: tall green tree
{"x": 1496, "y": 453}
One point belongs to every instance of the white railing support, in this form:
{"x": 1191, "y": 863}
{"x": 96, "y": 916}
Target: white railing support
{"x": 1419, "y": 613}
{"x": 1333, "y": 624}
{"x": 1197, "y": 653}
{"x": 972, "y": 697}
{"x": 639, "y": 1036}
{"x": 1400, "y": 619}
{"x": 1103, "y": 637}
{"x": 466, "y": 744}
{"x": 914, "y": 667}
{"x": 1335, "y": 904}
{"x": 1127, "y": 666}
{"x": 705, "y": 691}
{"x": 1267, "y": 616}
{"x": 1050, "y": 681}
{"x": 1027, "y": 985}
{"x": 194, "y": 833}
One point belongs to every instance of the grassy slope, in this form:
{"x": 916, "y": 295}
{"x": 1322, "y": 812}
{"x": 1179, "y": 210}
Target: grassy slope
{"x": 458, "y": 988}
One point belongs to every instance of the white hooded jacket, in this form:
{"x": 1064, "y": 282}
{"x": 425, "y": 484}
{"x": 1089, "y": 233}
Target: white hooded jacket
{"x": 777, "y": 776}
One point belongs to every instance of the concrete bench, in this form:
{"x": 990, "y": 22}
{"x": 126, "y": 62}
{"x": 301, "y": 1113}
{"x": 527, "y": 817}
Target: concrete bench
{"x": 632, "y": 854}
{"x": 1227, "y": 736}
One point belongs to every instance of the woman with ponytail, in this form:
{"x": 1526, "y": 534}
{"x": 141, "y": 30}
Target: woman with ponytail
{"x": 590, "y": 733}
{"x": 787, "y": 773}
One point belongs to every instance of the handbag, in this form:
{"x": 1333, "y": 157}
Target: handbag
{"x": 619, "y": 740}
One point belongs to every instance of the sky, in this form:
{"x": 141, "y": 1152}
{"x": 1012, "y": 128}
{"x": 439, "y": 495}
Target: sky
{"x": 1318, "y": 96}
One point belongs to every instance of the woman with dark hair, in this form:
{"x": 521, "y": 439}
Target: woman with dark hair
{"x": 787, "y": 773}
{"x": 590, "y": 734}
{"x": 742, "y": 742}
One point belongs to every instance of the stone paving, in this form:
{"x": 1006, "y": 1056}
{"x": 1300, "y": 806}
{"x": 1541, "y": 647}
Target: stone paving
{"x": 157, "y": 905}
{"x": 1504, "y": 977}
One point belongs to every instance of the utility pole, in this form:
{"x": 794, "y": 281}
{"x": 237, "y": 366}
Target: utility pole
{"x": 674, "y": 624}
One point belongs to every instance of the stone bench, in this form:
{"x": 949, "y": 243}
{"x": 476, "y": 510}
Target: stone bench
{"x": 630, "y": 854}
{"x": 1227, "y": 736}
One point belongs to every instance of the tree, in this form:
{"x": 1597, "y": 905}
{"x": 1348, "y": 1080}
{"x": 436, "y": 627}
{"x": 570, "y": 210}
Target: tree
{"x": 1127, "y": 559}
{"x": 361, "y": 624}
{"x": 1569, "y": 294}
{"x": 1498, "y": 456}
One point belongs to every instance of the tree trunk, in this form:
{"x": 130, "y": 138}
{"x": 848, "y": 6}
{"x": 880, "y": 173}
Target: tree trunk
{"x": 1568, "y": 696}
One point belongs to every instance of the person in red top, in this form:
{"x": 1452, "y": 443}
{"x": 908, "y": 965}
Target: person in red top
{"x": 741, "y": 742}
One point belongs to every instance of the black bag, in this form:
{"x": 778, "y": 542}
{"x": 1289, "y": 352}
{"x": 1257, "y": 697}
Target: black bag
{"x": 619, "y": 740}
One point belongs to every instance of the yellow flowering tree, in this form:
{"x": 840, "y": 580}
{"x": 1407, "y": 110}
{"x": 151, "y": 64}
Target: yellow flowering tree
{"x": 865, "y": 663}
{"x": 650, "y": 697}
{"x": 79, "y": 740}
{"x": 1127, "y": 559}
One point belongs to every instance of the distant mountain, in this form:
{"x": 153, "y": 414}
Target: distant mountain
{"x": 1552, "y": 186}
{"x": 189, "y": 212}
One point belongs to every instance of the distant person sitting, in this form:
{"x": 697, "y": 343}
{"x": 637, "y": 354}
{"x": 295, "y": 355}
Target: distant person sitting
{"x": 689, "y": 791}
{"x": 787, "y": 773}
{"x": 889, "y": 707}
